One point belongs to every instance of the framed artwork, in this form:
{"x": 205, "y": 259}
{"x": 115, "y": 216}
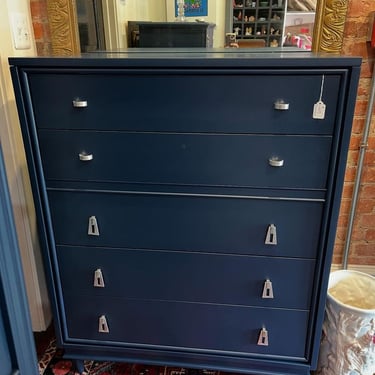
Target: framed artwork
{"x": 193, "y": 8}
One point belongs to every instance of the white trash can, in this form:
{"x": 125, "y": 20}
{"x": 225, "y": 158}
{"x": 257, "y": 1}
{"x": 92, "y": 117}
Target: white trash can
{"x": 348, "y": 339}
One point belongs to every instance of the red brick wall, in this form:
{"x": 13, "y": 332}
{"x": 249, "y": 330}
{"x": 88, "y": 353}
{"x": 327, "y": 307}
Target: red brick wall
{"x": 41, "y": 28}
{"x": 362, "y": 248}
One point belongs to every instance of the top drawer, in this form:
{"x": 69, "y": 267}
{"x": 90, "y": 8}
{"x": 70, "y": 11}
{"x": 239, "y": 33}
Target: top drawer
{"x": 185, "y": 101}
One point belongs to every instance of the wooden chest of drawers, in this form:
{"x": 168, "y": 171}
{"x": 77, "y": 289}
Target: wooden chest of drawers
{"x": 187, "y": 203}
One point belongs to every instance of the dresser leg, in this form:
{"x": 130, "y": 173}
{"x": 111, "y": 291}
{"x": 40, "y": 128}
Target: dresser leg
{"x": 80, "y": 366}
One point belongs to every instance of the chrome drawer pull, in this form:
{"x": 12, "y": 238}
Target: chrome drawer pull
{"x": 103, "y": 325}
{"x": 267, "y": 289}
{"x": 275, "y": 162}
{"x": 85, "y": 157}
{"x": 77, "y": 103}
{"x": 98, "y": 279}
{"x": 263, "y": 337}
{"x": 271, "y": 236}
{"x": 280, "y": 105}
{"x": 93, "y": 229}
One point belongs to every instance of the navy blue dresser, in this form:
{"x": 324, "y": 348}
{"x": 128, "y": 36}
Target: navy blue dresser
{"x": 187, "y": 202}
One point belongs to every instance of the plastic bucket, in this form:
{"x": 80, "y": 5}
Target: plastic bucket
{"x": 348, "y": 340}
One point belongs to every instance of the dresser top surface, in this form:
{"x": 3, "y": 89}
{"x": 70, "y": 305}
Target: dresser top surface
{"x": 200, "y": 57}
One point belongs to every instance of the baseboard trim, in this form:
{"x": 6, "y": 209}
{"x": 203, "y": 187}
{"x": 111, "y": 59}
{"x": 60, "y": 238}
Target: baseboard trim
{"x": 355, "y": 267}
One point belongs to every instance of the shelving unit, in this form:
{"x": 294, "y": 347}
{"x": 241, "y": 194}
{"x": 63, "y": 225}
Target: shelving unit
{"x": 257, "y": 19}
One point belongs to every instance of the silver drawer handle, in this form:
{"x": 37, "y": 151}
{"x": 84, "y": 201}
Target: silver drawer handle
{"x": 103, "y": 325}
{"x": 275, "y": 162}
{"x": 267, "y": 289}
{"x": 280, "y": 105}
{"x": 85, "y": 157}
{"x": 93, "y": 228}
{"x": 77, "y": 103}
{"x": 99, "y": 279}
{"x": 271, "y": 236}
{"x": 263, "y": 337}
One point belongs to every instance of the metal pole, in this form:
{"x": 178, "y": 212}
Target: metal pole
{"x": 357, "y": 181}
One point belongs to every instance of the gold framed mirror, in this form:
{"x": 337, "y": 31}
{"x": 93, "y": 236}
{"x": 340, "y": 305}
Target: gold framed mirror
{"x": 328, "y": 28}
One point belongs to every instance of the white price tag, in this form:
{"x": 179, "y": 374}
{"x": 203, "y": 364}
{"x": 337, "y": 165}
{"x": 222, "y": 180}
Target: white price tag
{"x": 319, "y": 111}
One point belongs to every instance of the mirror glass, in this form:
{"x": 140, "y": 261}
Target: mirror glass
{"x": 118, "y": 24}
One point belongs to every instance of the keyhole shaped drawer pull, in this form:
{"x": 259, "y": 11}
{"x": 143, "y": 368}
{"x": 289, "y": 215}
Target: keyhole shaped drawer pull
{"x": 83, "y": 156}
{"x": 267, "y": 289}
{"x": 93, "y": 229}
{"x": 271, "y": 236}
{"x": 98, "y": 279}
{"x": 263, "y": 337}
{"x": 103, "y": 325}
{"x": 275, "y": 162}
{"x": 280, "y": 105}
{"x": 78, "y": 103}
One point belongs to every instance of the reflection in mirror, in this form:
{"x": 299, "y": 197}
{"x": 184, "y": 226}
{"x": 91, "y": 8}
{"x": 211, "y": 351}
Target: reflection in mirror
{"x": 258, "y": 23}
{"x": 112, "y": 25}
{"x": 248, "y": 23}
{"x": 276, "y": 23}
{"x": 63, "y": 21}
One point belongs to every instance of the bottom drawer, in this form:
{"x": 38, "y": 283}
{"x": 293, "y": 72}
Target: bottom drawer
{"x": 187, "y": 326}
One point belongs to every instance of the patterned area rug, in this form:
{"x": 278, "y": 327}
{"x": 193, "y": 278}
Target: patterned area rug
{"x": 53, "y": 363}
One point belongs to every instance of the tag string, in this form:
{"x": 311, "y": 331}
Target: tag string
{"x": 321, "y": 88}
